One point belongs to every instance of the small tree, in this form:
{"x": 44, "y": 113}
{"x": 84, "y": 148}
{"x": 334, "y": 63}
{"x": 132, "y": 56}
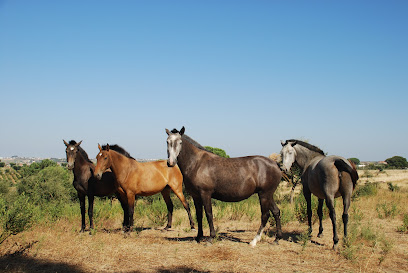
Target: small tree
{"x": 398, "y": 162}
{"x": 356, "y": 161}
{"x": 217, "y": 151}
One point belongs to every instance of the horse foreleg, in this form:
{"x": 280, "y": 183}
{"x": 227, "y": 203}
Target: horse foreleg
{"x": 122, "y": 199}
{"x": 308, "y": 196}
{"x": 166, "y": 196}
{"x": 82, "y": 206}
{"x": 90, "y": 210}
{"x": 199, "y": 214}
{"x": 265, "y": 207}
{"x": 320, "y": 214}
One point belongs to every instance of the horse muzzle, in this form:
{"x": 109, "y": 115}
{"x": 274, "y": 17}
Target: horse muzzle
{"x": 171, "y": 163}
{"x": 98, "y": 176}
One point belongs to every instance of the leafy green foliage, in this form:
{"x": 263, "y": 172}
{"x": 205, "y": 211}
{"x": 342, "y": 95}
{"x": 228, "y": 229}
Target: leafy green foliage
{"x": 356, "y": 161}
{"x": 368, "y": 189}
{"x": 51, "y": 183}
{"x": 15, "y": 217}
{"x": 217, "y": 151}
{"x": 398, "y": 162}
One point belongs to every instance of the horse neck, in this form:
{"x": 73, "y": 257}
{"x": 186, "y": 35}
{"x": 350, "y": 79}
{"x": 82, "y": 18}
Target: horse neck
{"x": 81, "y": 164}
{"x": 119, "y": 165}
{"x": 304, "y": 156}
{"x": 188, "y": 157}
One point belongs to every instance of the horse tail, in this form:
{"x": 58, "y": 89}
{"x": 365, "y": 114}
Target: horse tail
{"x": 342, "y": 166}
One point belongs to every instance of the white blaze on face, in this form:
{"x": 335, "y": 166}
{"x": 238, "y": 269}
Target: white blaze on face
{"x": 100, "y": 154}
{"x": 173, "y": 148}
{"x": 72, "y": 148}
{"x": 288, "y": 157}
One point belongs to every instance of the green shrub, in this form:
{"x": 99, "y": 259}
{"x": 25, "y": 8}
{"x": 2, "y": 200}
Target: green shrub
{"x": 386, "y": 210}
{"x": 52, "y": 183}
{"x": 393, "y": 187}
{"x": 404, "y": 227}
{"x": 15, "y": 217}
{"x": 368, "y": 189}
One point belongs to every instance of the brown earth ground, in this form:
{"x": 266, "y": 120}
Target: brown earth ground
{"x": 62, "y": 249}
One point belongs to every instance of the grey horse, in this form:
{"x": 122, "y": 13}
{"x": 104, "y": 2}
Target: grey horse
{"x": 327, "y": 177}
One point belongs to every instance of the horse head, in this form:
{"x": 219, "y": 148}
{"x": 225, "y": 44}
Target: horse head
{"x": 71, "y": 152}
{"x": 288, "y": 154}
{"x": 103, "y": 161}
{"x": 174, "y": 144}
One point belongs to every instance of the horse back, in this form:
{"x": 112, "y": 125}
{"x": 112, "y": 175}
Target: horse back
{"x": 235, "y": 179}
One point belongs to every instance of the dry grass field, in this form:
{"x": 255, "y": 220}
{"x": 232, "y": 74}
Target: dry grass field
{"x": 374, "y": 245}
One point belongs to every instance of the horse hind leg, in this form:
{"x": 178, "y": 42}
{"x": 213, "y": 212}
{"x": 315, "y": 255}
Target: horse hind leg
{"x": 199, "y": 214}
{"x": 265, "y": 207}
{"x": 320, "y": 214}
{"x": 179, "y": 193}
{"x": 330, "y": 205}
{"x": 166, "y": 196}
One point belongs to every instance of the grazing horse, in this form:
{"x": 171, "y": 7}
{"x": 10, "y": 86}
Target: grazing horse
{"x": 327, "y": 177}
{"x": 207, "y": 176}
{"x": 85, "y": 182}
{"x": 142, "y": 179}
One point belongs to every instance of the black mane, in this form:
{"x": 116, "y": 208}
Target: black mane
{"x": 192, "y": 141}
{"x": 82, "y": 151}
{"x": 306, "y": 145}
{"x": 118, "y": 149}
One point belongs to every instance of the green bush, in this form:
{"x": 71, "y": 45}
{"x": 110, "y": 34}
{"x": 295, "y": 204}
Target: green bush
{"x": 368, "y": 189}
{"x": 386, "y": 210}
{"x": 52, "y": 183}
{"x": 15, "y": 217}
{"x": 404, "y": 227}
{"x": 393, "y": 187}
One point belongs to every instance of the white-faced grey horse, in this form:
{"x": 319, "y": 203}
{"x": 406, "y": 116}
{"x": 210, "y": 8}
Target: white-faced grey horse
{"x": 327, "y": 177}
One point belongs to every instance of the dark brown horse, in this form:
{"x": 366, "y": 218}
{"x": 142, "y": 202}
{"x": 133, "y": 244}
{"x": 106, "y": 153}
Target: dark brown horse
{"x": 142, "y": 179}
{"x": 207, "y": 176}
{"x": 327, "y": 177}
{"x": 86, "y": 184}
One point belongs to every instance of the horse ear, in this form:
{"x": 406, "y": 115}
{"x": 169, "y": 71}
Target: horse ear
{"x": 182, "y": 131}
{"x": 79, "y": 143}
{"x": 294, "y": 143}
{"x": 99, "y": 147}
{"x": 167, "y": 131}
{"x": 282, "y": 143}
{"x": 66, "y": 144}
{"x": 107, "y": 147}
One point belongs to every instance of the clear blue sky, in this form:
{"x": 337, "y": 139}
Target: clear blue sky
{"x": 239, "y": 75}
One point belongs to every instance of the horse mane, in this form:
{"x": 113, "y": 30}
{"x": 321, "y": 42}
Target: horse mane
{"x": 306, "y": 145}
{"x": 82, "y": 151}
{"x": 192, "y": 141}
{"x": 118, "y": 149}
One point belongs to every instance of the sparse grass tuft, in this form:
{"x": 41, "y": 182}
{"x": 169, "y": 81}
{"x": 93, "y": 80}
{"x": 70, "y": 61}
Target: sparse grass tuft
{"x": 386, "y": 210}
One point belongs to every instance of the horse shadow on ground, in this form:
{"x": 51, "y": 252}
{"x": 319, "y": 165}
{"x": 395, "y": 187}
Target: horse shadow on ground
{"x": 18, "y": 261}
{"x": 121, "y": 231}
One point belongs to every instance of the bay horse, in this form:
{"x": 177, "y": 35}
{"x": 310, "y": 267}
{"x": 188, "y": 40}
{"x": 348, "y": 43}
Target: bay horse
{"x": 142, "y": 179}
{"x": 85, "y": 182}
{"x": 327, "y": 177}
{"x": 207, "y": 176}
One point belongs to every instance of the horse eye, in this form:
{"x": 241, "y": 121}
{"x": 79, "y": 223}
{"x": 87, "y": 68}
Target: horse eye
{"x": 106, "y": 158}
